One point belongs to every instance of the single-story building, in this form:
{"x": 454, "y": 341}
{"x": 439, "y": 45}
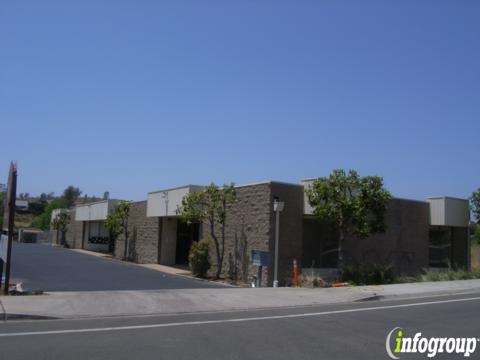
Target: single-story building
{"x": 86, "y": 229}
{"x": 419, "y": 234}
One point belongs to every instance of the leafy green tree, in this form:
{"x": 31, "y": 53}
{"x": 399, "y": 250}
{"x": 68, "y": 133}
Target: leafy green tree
{"x": 60, "y": 223}
{"x": 355, "y": 205}
{"x": 117, "y": 224}
{"x": 70, "y": 195}
{"x": 36, "y": 207}
{"x": 44, "y": 220}
{"x": 210, "y": 205}
{"x": 475, "y": 205}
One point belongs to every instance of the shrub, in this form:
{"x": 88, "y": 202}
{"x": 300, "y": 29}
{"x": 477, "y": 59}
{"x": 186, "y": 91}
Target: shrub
{"x": 441, "y": 275}
{"x": 312, "y": 281}
{"x": 450, "y": 274}
{"x": 368, "y": 274}
{"x": 199, "y": 258}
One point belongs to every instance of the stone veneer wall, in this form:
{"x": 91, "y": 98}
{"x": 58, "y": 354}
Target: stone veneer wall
{"x": 143, "y": 233}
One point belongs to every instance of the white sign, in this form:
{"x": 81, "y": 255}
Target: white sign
{"x": 3, "y": 247}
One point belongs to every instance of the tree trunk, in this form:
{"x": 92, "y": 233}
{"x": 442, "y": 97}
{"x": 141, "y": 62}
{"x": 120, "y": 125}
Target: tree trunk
{"x": 217, "y": 249}
{"x": 223, "y": 244}
{"x": 125, "y": 251}
{"x": 340, "y": 248}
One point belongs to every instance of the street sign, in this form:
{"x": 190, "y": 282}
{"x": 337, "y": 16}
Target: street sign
{"x": 260, "y": 258}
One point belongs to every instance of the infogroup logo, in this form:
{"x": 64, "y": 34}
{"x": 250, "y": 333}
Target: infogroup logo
{"x": 401, "y": 344}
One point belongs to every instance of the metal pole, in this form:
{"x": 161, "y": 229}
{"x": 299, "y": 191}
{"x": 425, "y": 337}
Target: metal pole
{"x": 11, "y": 218}
{"x": 277, "y": 233}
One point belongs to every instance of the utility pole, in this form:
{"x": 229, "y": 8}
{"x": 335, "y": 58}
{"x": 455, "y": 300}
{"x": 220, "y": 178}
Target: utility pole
{"x": 11, "y": 196}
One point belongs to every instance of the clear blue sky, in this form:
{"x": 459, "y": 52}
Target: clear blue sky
{"x": 135, "y": 96}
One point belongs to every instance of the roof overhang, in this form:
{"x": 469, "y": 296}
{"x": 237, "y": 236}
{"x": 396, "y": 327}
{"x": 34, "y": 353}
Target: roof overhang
{"x": 94, "y": 211}
{"x": 166, "y": 202}
{"x": 448, "y": 211}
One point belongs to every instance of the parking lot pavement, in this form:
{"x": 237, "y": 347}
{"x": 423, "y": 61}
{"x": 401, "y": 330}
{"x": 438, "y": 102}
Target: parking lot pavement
{"x": 47, "y": 268}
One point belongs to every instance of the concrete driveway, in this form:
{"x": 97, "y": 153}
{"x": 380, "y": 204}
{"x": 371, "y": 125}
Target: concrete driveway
{"x": 47, "y": 268}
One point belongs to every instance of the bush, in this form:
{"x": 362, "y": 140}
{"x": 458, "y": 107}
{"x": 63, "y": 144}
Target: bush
{"x": 441, "y": 275}
{"x": 312, "y": 281}
{"x": 368, "y": 274}
{"x": 450, "y": 274}
{"x": 199, "y": 258}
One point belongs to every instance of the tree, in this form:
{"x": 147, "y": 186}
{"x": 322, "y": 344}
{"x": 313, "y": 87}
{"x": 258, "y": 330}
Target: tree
{"x": 117, "y": 223}
{"x": 60, "y": 223}
{"x": 210, "y": 205}
{"x": 70, "y": 195}
{"x": 44, "y": 220}
{"x": 24, "y": 196}
{"x": 355, "y": 205}
{"x": 37, "y": 207}
{"x": 475, "y": 205}
{"x": 43, "y": 198}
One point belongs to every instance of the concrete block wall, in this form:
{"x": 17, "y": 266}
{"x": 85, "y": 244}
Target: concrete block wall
{"x": 291, "y": 229}
{"x": 143, "y": 235}
{"x": 74, "y": 235}
{"x": 250, "y": 226}
{"x": 460, "y": 247}
{"x": 247, "y": 228}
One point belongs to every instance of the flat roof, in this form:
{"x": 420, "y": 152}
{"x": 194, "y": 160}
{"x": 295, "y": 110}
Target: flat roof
{"x": 97, "y": 202}
{"x": 445, "y": 197}
{"x": 175, "y": 188}
{"x": 267, "y": 182}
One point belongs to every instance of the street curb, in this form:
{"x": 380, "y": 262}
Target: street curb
{"x": 16, "y": 317}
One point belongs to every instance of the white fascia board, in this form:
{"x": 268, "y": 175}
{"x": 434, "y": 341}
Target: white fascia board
{"x": 93, "y": 211}
{"x": 164, "y": 203}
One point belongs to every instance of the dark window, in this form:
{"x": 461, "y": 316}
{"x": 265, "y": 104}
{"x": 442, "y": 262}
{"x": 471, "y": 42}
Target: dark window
{"x": 186, "y": 235}
{"x": 440, "y": 247}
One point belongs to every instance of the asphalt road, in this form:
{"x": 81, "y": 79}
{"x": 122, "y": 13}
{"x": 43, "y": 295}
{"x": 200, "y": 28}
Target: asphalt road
{"x": 43, "y": 267}
{"x": 348, "y": 331}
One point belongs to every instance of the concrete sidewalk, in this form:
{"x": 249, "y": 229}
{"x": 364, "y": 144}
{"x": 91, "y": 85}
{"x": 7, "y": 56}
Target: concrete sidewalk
{"x": 120, "y": 303}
